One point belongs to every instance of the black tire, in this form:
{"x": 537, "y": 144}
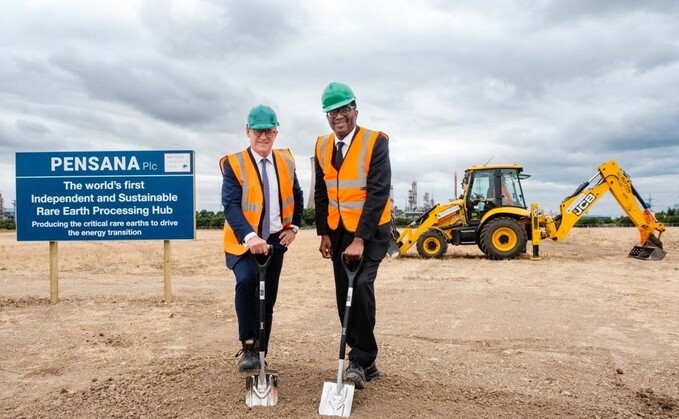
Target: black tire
{"x": 478, "y": 240}
{"x": 480, "y": 245}
{"x": 432, "y": 244}
{"x": 503, "y": 238}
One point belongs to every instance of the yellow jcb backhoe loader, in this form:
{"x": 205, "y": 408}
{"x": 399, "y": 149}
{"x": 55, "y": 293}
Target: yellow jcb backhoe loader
{"x": 492, "y": 213}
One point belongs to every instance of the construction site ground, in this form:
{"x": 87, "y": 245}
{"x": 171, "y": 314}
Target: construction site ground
{"x": 584, "y": 332}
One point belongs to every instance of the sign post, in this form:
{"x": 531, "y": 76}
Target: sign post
{"x": 54, "y": 272}
{"x": 167, "y": 271}
{"x": 105, "y": 195}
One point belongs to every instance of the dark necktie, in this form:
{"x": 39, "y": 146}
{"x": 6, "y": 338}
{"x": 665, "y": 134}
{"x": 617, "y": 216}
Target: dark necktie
{"x": 265, "y": 184}
{"x": 339, "y": 157}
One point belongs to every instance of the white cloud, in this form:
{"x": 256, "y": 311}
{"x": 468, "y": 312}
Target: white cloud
{"x": 559, "y": 87}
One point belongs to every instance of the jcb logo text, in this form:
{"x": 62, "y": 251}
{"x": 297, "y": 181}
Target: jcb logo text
{"x": 584, "y": 203}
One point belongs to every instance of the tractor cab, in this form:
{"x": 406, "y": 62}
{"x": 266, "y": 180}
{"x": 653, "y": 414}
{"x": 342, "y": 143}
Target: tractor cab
{"x": 488, "y": 187}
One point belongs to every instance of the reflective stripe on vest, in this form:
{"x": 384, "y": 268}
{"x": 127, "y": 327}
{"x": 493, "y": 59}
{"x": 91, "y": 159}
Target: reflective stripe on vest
{"x": 347, "y": 190}
{"x": 252, "y": 196}
{"x": 285, "y": 170}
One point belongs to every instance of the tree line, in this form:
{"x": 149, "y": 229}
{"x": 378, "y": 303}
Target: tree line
{"x": 215, "y": 220}
{"x": 211, "y": 219}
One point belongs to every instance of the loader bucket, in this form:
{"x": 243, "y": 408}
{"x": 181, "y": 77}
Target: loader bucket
{"x": 393, "y": 251}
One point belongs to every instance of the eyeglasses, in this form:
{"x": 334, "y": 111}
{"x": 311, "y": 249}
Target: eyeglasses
{"x": 344, "y": 111}
{"x": 269, "y": 133}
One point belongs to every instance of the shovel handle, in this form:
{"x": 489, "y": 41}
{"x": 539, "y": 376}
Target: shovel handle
{"x": 351, "y": 268}
{"x": 263, "y": 261}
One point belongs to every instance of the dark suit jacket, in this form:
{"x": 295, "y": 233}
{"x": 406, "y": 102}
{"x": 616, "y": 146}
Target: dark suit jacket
{"x": 376, "y": 237}
{"x": 233, "y": 212}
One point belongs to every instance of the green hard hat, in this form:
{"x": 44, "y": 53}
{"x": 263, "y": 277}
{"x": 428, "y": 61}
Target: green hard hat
{"x": 336, "y": 95}
{"x": 262, "y": 117}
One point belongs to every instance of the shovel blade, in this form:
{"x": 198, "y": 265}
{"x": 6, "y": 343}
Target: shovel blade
{"x": 334, "y": 403}
{"x": 262, "y": 393}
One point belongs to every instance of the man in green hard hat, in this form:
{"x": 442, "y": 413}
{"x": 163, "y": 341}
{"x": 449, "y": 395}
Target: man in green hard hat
{"x": 263, "y": 205}
{"x": 353, "y": 213}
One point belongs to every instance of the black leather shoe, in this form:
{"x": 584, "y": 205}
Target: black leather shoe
{"x": 372, "y": 373}
{"x": 356, "y": 375}
{"x": 249, "y": 360}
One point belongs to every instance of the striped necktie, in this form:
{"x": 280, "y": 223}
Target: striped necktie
{"x": 265, "y": 184}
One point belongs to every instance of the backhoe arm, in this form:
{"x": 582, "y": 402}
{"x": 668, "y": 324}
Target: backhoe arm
{"x": 574, "y": 207}
{"x": 609, "y": 177}
{"x": 649, "y": 228}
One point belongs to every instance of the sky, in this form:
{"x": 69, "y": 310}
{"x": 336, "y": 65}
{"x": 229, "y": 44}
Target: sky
{"x": 557, "y": 86}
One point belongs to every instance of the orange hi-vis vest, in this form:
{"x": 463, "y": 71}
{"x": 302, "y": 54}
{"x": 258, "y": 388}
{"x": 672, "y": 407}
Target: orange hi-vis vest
{"x": 347, "y": 189}
{"x": 252, "y": 200}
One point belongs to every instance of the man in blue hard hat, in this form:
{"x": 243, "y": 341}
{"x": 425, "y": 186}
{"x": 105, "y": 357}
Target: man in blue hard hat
{"x": 263, "y": 205}
{"x": 353, "y": 214}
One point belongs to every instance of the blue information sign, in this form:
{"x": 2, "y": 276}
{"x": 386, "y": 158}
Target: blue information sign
{"x": 105, "y": 195}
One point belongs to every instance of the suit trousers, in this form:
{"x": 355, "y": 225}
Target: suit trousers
{"x": 360, "y": 330}
{"x": 247, "y": 292}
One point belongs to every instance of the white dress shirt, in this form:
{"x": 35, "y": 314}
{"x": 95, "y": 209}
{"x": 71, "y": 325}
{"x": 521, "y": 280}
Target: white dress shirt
{"x": 346, "y": 140}
{"x": 275, "y": 222}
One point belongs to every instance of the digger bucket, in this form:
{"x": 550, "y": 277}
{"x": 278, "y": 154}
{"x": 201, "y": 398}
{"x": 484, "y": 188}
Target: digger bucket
{"x": 651, "y": 250}
{"x": 647, "y": 252}
{"x": 262, "y": 389}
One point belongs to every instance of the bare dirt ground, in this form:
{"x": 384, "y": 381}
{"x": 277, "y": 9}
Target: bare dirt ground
{"x": 585, "y": 332}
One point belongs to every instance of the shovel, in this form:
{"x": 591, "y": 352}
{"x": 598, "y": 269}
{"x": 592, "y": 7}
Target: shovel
{"x": 262, "y": 387}
{"x": 337, "y": 395}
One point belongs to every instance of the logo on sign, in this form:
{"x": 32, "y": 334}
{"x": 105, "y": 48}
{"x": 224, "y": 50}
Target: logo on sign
{"x": 177, "y": 163}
